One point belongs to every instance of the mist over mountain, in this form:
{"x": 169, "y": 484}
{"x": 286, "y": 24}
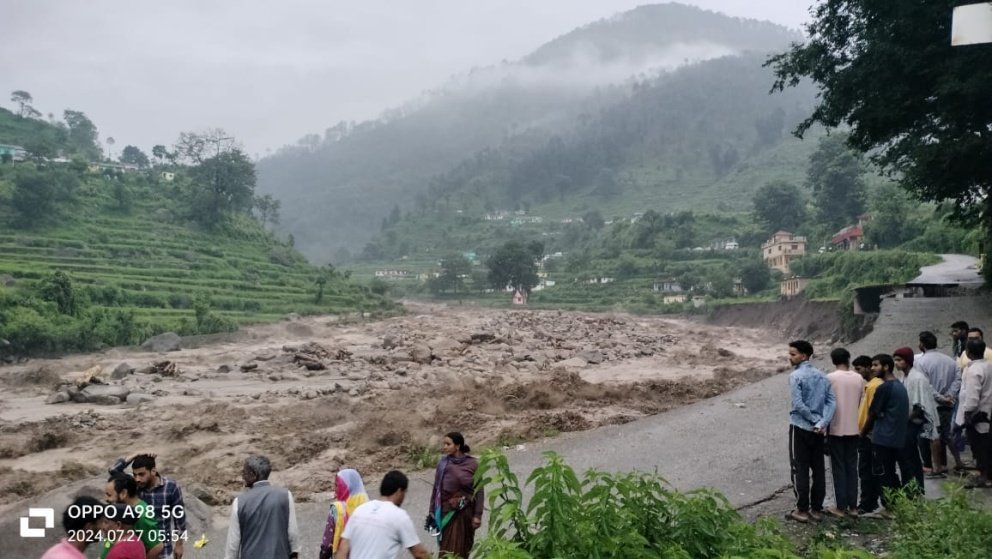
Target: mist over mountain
{"x": 337, "y": 187}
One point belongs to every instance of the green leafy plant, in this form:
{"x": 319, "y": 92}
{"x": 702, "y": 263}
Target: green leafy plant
{"x": 605, "y": 515}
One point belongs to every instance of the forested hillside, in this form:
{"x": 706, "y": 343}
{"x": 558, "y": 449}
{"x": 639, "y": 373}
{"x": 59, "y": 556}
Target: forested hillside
{"x": 338, "y": 187}
{"x": 94, "y": 252}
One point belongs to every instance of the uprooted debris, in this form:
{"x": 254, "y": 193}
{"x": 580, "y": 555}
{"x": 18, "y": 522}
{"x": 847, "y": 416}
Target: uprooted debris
{"x": 312, "y": 356}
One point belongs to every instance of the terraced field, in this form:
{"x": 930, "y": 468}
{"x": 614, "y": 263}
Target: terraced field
{"x": 158, "y": 265}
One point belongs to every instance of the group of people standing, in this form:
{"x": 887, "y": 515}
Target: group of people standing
{"x": 144, "y": 515}
{"x": 875, "y": 414}
{"x": 358, "y": 528}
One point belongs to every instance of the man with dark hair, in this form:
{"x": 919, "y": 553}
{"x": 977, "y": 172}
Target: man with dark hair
{"x": 943, "y": 375}
{"x": 164, "y": 496}
{"x": 886, "y": 425}
{"x": 122, "y": 488}
{"x": 118, "y": 528}
{"x": 862, "y": 366}
{"x": 843, "y": 435}
{"x": 381, "y": 528}
{"x": 923, "y": 421}
{"x": 870, "y": 488}
{"x": 959, "y": 335}
{"x": 974, "y": 334}
{"x": 813, "y": 407}
{"x": 263, "y": 518}
{"x": 80, "y": 520}
{"x": 975, "y": 410}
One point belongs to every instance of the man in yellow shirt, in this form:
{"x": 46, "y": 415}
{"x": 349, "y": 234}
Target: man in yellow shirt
{"x": 974, "y": 334}
{"x": 870, "y": 489}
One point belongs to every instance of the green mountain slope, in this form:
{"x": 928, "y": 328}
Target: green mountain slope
{"x": 338, "y": 187}
{"x": 135, "y": 265}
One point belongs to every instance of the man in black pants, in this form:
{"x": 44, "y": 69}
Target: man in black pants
{"x": 887, "y": 422}
{"x": 813, "y": 407}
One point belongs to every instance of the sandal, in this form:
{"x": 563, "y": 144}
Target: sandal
{"x": 816, "y": 515}
{"x": 835, "y": 512}
{"x": 798, "y": 516}
{"x": 977, "y": 483}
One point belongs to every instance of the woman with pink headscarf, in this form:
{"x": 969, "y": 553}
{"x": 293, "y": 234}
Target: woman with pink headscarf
{"x": 349, "y": 493}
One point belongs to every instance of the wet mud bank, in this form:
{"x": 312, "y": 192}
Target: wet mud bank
{"x": 798, "y": 318}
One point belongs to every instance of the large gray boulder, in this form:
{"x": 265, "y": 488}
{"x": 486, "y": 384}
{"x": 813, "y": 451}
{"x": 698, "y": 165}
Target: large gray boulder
{"x": 168, "y": 341}
{"x": 104, "y": 394}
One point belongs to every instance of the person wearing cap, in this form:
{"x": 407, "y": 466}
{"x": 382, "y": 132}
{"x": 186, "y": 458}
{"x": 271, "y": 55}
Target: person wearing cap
{"x": 117, "y": 526}
{"x": 923, "y": 419}
{"x": 80, "y": 517}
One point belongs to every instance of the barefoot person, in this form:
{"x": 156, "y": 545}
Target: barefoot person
{"x": 813, "y": 406}
{"x": 455, "y": 505}
{"x": 349, "y": 494}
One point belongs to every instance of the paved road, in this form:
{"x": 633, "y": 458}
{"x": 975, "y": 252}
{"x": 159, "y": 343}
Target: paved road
{"x": 956, "y": 269}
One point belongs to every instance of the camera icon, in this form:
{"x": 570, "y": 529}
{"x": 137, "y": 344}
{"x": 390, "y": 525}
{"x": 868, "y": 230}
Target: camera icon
{"x": 47, "y": 514}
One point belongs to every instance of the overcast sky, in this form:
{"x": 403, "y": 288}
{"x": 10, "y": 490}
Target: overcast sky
{"x": 270, "y": 71}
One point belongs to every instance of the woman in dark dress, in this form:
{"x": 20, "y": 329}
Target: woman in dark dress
{"x": 455, "y": 505}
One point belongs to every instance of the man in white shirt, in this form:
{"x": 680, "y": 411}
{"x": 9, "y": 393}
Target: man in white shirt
{"x": 975, "y": 408}
{"x": 380, "y": 529}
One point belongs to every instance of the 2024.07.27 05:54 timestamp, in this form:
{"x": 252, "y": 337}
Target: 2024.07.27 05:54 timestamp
{"x": 119, "y": 535}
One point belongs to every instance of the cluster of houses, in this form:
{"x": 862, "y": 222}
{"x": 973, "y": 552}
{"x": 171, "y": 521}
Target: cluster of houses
{"x": 784, "y": 246}
{"x": 16, "y": 154}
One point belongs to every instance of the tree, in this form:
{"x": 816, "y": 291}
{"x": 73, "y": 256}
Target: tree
{"x": 513, "y": 265}
{"x": 320, "y": 281}
{"x": 834, "y": 176}
{"x": 131, "y": 155}
{"x": 159, "y": 152}
{"x": 24, "y": 100}
{"x": 892, "y": 222}
{"x": 195, "y": 147}
{"x": 266, "y": 209}
{"x": 916, "y": 104}
{"x": 38, "y": 194}
{"x": 110, "y": 146}
{"x": 222, "y": 185}
{"x": 58, "y": 289}
{"x": 454, "y": 269}
{"x": 82, "y": 136}
{"x": 779, "y": 206}
{"x": 755, "y": 276}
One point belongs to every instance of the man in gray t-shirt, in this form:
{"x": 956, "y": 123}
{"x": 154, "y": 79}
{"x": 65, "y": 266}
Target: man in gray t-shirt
{"x": 380, "y": 529}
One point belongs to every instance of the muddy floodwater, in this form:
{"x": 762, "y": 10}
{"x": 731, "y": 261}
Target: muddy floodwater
{"x": 319, "y": 393}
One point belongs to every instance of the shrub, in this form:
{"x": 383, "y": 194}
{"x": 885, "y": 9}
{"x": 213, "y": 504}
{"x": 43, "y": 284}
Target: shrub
{"x": 627, "y": 515}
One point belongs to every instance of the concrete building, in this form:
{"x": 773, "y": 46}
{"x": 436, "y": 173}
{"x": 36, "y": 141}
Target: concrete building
{"x": 792, "y": 287}
{"x": 781, "y": 248}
